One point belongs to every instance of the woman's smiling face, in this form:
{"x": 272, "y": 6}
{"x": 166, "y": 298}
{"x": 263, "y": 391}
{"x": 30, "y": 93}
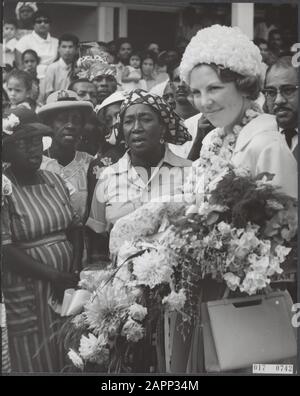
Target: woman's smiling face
{"x": 221, "y": 103}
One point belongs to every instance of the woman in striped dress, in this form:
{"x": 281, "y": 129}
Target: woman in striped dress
{"x": 40, "y": 238}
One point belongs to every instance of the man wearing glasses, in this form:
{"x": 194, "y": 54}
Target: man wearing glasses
{"x": 281, "y": 92}
{"x": 41, "y": 42}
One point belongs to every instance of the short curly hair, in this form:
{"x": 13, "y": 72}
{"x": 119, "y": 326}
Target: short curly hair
{"x": 249, "y": 85}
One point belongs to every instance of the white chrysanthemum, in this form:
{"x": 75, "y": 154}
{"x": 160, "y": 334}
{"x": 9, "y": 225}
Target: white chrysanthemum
{"x": 137, "y": 312}
{"x": 152, "y": 268}
{"x": 232, "y": 280}
{"x": 88, "y": 346}
{"x": 75, "y": 358}
{"x": 94, "y": 349}
{"x": 106, "y": 308}
{"x": 175, "y": 301}
{"x": 133, "y": 331}
{"x": 225, "y": 46}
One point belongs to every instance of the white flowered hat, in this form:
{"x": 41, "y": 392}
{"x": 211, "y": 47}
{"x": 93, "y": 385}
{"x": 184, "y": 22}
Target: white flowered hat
{"x": 225, "y": 46}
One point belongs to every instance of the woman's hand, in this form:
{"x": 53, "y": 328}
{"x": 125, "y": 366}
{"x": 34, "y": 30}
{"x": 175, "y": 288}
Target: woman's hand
{"x": 204, "y": 127}
{"x": 62, "y": 281}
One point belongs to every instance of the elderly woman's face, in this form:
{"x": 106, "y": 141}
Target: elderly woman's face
{"x": 67, "y": 125}
{"x": 142, "y": 129}
{"x": 221, "y": 103}
{"x": 27, "y": 153}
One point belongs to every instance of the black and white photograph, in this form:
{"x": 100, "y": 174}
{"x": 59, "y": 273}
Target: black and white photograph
{"x": 149, "y": 207}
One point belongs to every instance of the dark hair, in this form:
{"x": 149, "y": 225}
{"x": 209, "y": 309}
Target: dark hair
{"x": 31, "y": 52}
{"x": 135, "y": 53}
{"x": 284, "y": 62}
{"x": 78, "y": 80}
{"x": 39, "y": 14}
{"x": 22, "y": 76}
{"x": 249, "y": 85}
{"x": 148, "y": 55}
{"x": 11, "y": 21}
{"x": 69, "y": 37}
{"x": 260, "y": 41}
{"x": 120, "y": 41}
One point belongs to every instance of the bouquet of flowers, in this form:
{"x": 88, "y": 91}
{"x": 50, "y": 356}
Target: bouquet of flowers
{"x": 239, "y": 234}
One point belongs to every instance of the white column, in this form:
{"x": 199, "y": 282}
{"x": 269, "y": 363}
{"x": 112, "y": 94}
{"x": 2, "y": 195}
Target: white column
{"x": 242, "y": 15}
{"x": 105, "y": 16}
{"x": 123, "y": 21}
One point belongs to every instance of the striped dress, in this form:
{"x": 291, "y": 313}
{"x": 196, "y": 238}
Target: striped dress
{"x": 29, "y": 215}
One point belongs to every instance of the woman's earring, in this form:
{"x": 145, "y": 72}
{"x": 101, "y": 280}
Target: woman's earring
{"x": 161, "y": 140}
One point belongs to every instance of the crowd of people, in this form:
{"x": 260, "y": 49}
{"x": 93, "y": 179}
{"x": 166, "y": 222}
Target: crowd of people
{"x": 88, "y": 137}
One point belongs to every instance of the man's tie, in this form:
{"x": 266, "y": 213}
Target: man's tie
{"x": 289, "y": 134}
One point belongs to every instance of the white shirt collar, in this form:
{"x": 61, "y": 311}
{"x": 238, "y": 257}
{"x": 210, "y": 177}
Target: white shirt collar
{"x": 40, "y": 39}
{"x": 124, "y": 164}
{"x": 63, "y": 64}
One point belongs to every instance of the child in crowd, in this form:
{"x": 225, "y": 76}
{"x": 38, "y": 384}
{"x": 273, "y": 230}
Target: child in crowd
{"x": 19, "y": 85}
{"x": 148, "y": 65}
{"x": 30, "y": 61}
{"x": 132, "y": 74}
{"x": 9, "y": 41}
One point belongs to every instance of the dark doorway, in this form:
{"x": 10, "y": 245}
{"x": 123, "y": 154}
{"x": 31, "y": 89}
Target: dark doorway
{"x": 152, "y": 26}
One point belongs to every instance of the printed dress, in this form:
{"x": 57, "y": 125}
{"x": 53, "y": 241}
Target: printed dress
{"x": 75, "y": 176}
{"x": 34, "y": 219}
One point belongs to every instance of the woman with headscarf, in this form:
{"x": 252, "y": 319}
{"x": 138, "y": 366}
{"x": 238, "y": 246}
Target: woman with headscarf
{"x": 143, "y": 173}
{"x": 40, "y": 246}
{"x": 24, "y": 13}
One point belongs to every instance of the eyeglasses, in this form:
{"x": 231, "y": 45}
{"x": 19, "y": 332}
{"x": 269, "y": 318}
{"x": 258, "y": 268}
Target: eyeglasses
{"x": 287, "y": 91}
{"x": 42, "y": 21}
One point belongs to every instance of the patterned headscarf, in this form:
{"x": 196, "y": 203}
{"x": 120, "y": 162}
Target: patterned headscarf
{"x": 21, "y": 4}
{"x": 176, "y": 133}
{"x": 92, "y": 67}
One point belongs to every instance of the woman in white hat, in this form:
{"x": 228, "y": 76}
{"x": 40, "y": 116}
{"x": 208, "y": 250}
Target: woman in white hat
{"x": 225, "y": 73}
{"x": 66, "y": 115}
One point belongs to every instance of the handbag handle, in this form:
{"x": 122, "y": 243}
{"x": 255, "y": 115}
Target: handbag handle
{"x": 248, "y": 303}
